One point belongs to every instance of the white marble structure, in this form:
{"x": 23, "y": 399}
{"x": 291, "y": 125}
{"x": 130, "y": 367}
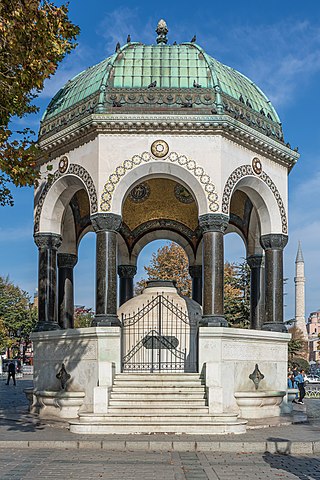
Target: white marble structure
{"x": 161, "y": 141}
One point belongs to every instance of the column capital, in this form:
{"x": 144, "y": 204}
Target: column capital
{"x": 127, "y": 271}
{"x": 67, "y": 260}
{"x": 255, "y": 261}
{"x": 195, "y": 271}
{"x": 273, "y": 241}
{"x": 47, "y": 240}
{"x": 106, "y": 222}
{"x": 213, "y": 222}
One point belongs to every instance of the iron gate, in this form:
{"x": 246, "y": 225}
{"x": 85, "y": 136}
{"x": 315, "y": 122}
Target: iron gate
{"x": 159, "y": 337}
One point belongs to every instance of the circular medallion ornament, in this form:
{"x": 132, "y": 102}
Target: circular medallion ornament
{"x": 257, "y": 165}
{"x": 63, "y": 164}
{"x": 159, "y": 148}
{"x": 140, "y": 193}
{"x": 182, "y": 194}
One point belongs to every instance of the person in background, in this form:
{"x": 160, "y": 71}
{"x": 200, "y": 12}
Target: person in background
{"x": 11, "y": 373}
{"x": 300, "y": 381}
{"x": 292, "y": 384}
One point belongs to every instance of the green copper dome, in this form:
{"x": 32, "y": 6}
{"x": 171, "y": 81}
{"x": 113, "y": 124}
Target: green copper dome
{"x": 168, "y": 79}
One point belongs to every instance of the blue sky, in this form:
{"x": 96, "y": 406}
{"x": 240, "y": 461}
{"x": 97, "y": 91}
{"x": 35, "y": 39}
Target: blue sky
{"x": 275, "y": 43}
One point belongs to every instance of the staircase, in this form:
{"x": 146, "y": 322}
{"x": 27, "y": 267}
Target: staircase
{"x": 157, "y": 403}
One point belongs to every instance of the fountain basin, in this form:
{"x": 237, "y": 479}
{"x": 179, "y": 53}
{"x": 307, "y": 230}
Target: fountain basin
{"x": 59, "y": 404}
{"x": 259, "y": 404}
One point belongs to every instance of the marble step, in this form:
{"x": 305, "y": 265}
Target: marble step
{"x": 158, "y": 378}
{"x": 157, "y": 386}
{"x": 156, "y": 403}
{"x": 151, "y": 418}
{"x": 159, "y": 409}
{"x": 146, "y": 394}
{"x": 115, "y": 427}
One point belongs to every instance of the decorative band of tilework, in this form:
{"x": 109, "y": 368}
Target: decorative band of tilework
{"x": 145, "y": 157}
{"x": 245, "y": 171}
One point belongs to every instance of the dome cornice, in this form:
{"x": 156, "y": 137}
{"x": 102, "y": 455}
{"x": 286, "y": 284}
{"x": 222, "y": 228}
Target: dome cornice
{"x": 88, "y": 128}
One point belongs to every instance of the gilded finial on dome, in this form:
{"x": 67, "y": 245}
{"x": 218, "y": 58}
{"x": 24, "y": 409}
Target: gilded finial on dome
{"x": 162, "y": 31}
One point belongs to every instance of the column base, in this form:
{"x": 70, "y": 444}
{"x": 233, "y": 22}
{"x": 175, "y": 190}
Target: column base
{"x": 46, "y": 326}
{"x": 213, "y": 321}
{"x": 102, "y": 320}
{"x": 274, "y": 327}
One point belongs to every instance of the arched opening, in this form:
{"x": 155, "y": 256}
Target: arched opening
{"x": 160, "y": 324}
{"x": 155, "y": 208}
{"x": 84, "y": 281}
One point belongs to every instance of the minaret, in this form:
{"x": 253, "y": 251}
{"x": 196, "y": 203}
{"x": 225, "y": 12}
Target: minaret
{"x": 299, "y": 280}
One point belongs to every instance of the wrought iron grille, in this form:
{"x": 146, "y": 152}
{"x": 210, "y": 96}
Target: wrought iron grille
{"x": 159, "y": 337}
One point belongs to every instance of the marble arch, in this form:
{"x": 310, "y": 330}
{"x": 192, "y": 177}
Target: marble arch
{"x": 263, "y": 193}
{"x": 132, "y": 171}
{"x": 56, "y": 195}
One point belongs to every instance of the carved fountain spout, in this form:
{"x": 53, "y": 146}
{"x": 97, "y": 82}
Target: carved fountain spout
{"x": 63, "y": 376}
{"x": 256, "y": 376}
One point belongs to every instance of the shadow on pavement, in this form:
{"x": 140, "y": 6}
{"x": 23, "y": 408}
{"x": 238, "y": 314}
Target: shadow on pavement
{"x": 14, "y": 415}
{"x": 303, "y": 468}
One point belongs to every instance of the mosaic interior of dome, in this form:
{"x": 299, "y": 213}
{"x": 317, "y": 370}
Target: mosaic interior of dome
{"x": 159, "y": 198}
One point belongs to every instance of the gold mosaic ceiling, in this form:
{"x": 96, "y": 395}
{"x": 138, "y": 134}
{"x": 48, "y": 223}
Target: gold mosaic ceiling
{"x": 159, "y": 198}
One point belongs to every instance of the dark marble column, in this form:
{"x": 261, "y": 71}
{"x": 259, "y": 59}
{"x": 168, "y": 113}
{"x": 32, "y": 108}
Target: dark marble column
{"x": 66, "y": 264}
{"x": 213, "y": 227}
{"x": 273, "y": 245}
{"x": 196, "y": 275}
{"x": 48, "y": 244}
{"x": 256, "y": 264}
{"x": 106, "y": 226}
{"x": 126, "y": 274}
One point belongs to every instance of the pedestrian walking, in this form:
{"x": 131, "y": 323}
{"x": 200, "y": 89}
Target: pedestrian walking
{"x": 11, "y": 373}
{"x": 293, "y": 384}
{"x": 300, "y": 381}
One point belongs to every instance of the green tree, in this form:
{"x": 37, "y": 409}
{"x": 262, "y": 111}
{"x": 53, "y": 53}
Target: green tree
{"x": 298, "y": 346}
{"x": 35, "y": 35}
{"x": 237, "y": 294}
{"x": 171, "y": 263}
{"x": 18, "y": 318}
{"x": 82, "y": 317}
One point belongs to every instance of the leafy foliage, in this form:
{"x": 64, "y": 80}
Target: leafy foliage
{"x": 171, "y": 263}
{"x": 237, "y": 294}
{"x": 298, "y": 346}
{"x": 35, "y": 35}
{"x": 300, "y": 363}
{"x": 18, "y": 317}
{"x": 83, "y": 317}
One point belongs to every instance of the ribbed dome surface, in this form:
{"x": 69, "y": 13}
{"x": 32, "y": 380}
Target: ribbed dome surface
{"x": 170, "y": 66}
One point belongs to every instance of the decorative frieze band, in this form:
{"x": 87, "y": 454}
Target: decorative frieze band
{"x": 182, "y": 160}
{"x": 244, "y": 171}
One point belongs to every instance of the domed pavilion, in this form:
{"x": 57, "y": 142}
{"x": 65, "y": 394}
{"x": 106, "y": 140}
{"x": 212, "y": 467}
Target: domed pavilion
{"x": 160, "y": 142}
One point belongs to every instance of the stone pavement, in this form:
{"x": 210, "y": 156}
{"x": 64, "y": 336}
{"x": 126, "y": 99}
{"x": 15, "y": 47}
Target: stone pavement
{"x": 34, "y": 449}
